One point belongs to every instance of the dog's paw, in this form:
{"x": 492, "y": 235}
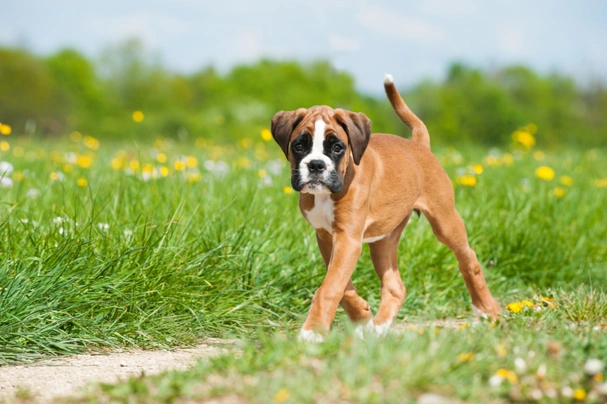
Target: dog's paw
{"x": 381, "y": 330}
{"x": 309, "y": 336}
{"x": 363, "y": 328}
{"x": 479, "y": 313}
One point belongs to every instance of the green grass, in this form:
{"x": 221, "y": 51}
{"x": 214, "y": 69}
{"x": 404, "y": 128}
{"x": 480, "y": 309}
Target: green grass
{"x": 538, "y": 352}
{"x": 124, "y": 261}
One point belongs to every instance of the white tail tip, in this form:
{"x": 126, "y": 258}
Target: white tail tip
{"x": 388, "y": 79}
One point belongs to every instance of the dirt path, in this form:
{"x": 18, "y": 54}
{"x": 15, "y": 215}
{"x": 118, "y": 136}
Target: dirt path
{"x": 64, "y": 376}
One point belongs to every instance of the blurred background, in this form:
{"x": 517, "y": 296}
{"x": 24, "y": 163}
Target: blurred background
{"x": 475, "y": 71}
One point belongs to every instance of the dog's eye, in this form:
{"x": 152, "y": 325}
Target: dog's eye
{"x": 298, "y": 148}
{"x": 337, "y": 148}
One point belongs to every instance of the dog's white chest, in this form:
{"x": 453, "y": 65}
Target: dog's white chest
{"x": 321, "y": 215}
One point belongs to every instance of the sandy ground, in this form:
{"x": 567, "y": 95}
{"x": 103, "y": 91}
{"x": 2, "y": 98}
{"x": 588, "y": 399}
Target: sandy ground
{"x": 65, "y": 376}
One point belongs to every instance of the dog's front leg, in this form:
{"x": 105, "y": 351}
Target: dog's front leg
{"x": 346, "y": 251}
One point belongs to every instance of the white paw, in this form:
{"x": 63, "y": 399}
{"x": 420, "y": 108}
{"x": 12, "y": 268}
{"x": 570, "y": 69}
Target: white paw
{"x": 361, "y": 329}
{"x": 479, "y": 313}
{"x": 309, "y": 336}
{"x": 382, "y": 329}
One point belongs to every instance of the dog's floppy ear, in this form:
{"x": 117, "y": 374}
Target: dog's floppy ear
{"x": 358, "y": 129}
{"x": 283, "y": 124}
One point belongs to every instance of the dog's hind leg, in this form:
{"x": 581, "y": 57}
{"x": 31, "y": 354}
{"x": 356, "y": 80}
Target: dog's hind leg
{"x": 449, "y": 229}
{"x": 384, "y": 254}
{"x": 355, "y": 306}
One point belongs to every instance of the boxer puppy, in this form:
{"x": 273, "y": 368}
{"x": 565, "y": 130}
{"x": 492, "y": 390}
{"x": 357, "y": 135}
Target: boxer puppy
{"x": 357, "y": 187}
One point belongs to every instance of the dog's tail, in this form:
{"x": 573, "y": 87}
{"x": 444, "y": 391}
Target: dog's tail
{"x": 420, "y": 133}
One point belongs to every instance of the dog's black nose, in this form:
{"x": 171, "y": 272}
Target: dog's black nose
{"x": 316, "y": 166}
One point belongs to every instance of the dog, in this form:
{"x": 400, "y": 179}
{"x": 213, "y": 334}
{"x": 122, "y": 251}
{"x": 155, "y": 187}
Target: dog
{"x": 357, "y": 187}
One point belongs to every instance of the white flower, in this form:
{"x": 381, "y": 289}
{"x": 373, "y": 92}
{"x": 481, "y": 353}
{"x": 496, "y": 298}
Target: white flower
{"x": 536, "y": 394}
{"x": 219, "y": 168}
{"x": 6, "y": 182}
{"x": 58, "y": 220}
{"x": 128, "y": 233}
{"x": 70, "y": 157}
{"x": 32, "y": 193}
{"x": 550, "y": 392}
{"x": 275, "y": 166}
{"x": 593, "y": 366}
{"x": 495, "y": 380}
{"x": 567, "y": 391}
{"x": 103, "y": 226}
{"x": 603, "y": 389}
{"x": 520, "y": 365}
{"x": 61, "y": 230}
{"x": 25, "y": 221}
{"x": 541, "y": 371}
{"x": 6, "y": 168}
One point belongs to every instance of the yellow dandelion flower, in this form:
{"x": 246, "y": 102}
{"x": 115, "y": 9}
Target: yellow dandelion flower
{"x": 134, "y": 165}
{"x": 287, "y": 190}
{"x": 246, "y": 143}
{"x": 539, "y": 155}
{"x": 90, "y": 142}
{"x": 463, "y": 326}
{"x": 18, "y": 176}
{"x": 54, "y": 176}
{"x": 545, "y": 173}
{"x": 601, "y": 182}
{"x": 75, "y": 136}
{"x": 507, "y": 159}
{"x": 82, "y": 182}
{"x": 262, "y": 173}
{"x": 84, "y": 161}
{"x": 191, "y": 162}
{"x": 515, "y": 307}
{"x": 67, "y": 168}
{"x": 161, "y": 158}
{"x": 244, "y": 162}
{"x": 467, "y": 180}
{"x": 566, "y": 180}
{"x": 4, "y": 146}
{"x": 527, "y": 303}
{"x": 508, "y": 375}
{"x": 201, "y": 142}
{"x": 18, "y": 151}
{"x": 597, "y": 378}
{"x": 523, "y": 138}
{"x": 117, "y": 163}
{"x": 559, "y": 192}
{"x": 501, "y": 351}
{"x": 492, "y": 161}
{"x": 465, "y": 357}
{"x": 478, "y": 168}
{"x": 5, "y": 129}
{"x": 179, "y": 165}
{"x": 138, "y": 116}
{"x": 282, "y": 395}
{"x": 193, "y": 177}
{"x": 164, "y": 171}
{"x": 266, "y": 135}
{"x": 579, "y": 394}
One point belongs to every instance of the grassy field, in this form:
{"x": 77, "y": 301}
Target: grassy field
{"x": 160, "y": 244}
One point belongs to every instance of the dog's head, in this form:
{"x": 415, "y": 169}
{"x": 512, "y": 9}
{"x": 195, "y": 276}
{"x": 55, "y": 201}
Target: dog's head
{"x": 320, "y": 142}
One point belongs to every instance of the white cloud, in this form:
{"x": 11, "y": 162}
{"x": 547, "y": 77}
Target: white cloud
{"x": 395, "y": 25}
{"x": 340, "y": 43}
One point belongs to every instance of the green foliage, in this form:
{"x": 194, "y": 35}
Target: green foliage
{"x": 142, "y": 245}
{"x": 528, "y": 355}
{"x": 66, "y": 92}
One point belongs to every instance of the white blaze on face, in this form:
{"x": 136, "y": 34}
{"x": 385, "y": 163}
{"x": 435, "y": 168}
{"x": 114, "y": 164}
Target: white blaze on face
{"x": 317, "y": 153}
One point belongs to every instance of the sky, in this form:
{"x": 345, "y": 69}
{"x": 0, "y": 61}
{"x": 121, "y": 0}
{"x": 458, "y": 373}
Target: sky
{"x": 411, "y": 40}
